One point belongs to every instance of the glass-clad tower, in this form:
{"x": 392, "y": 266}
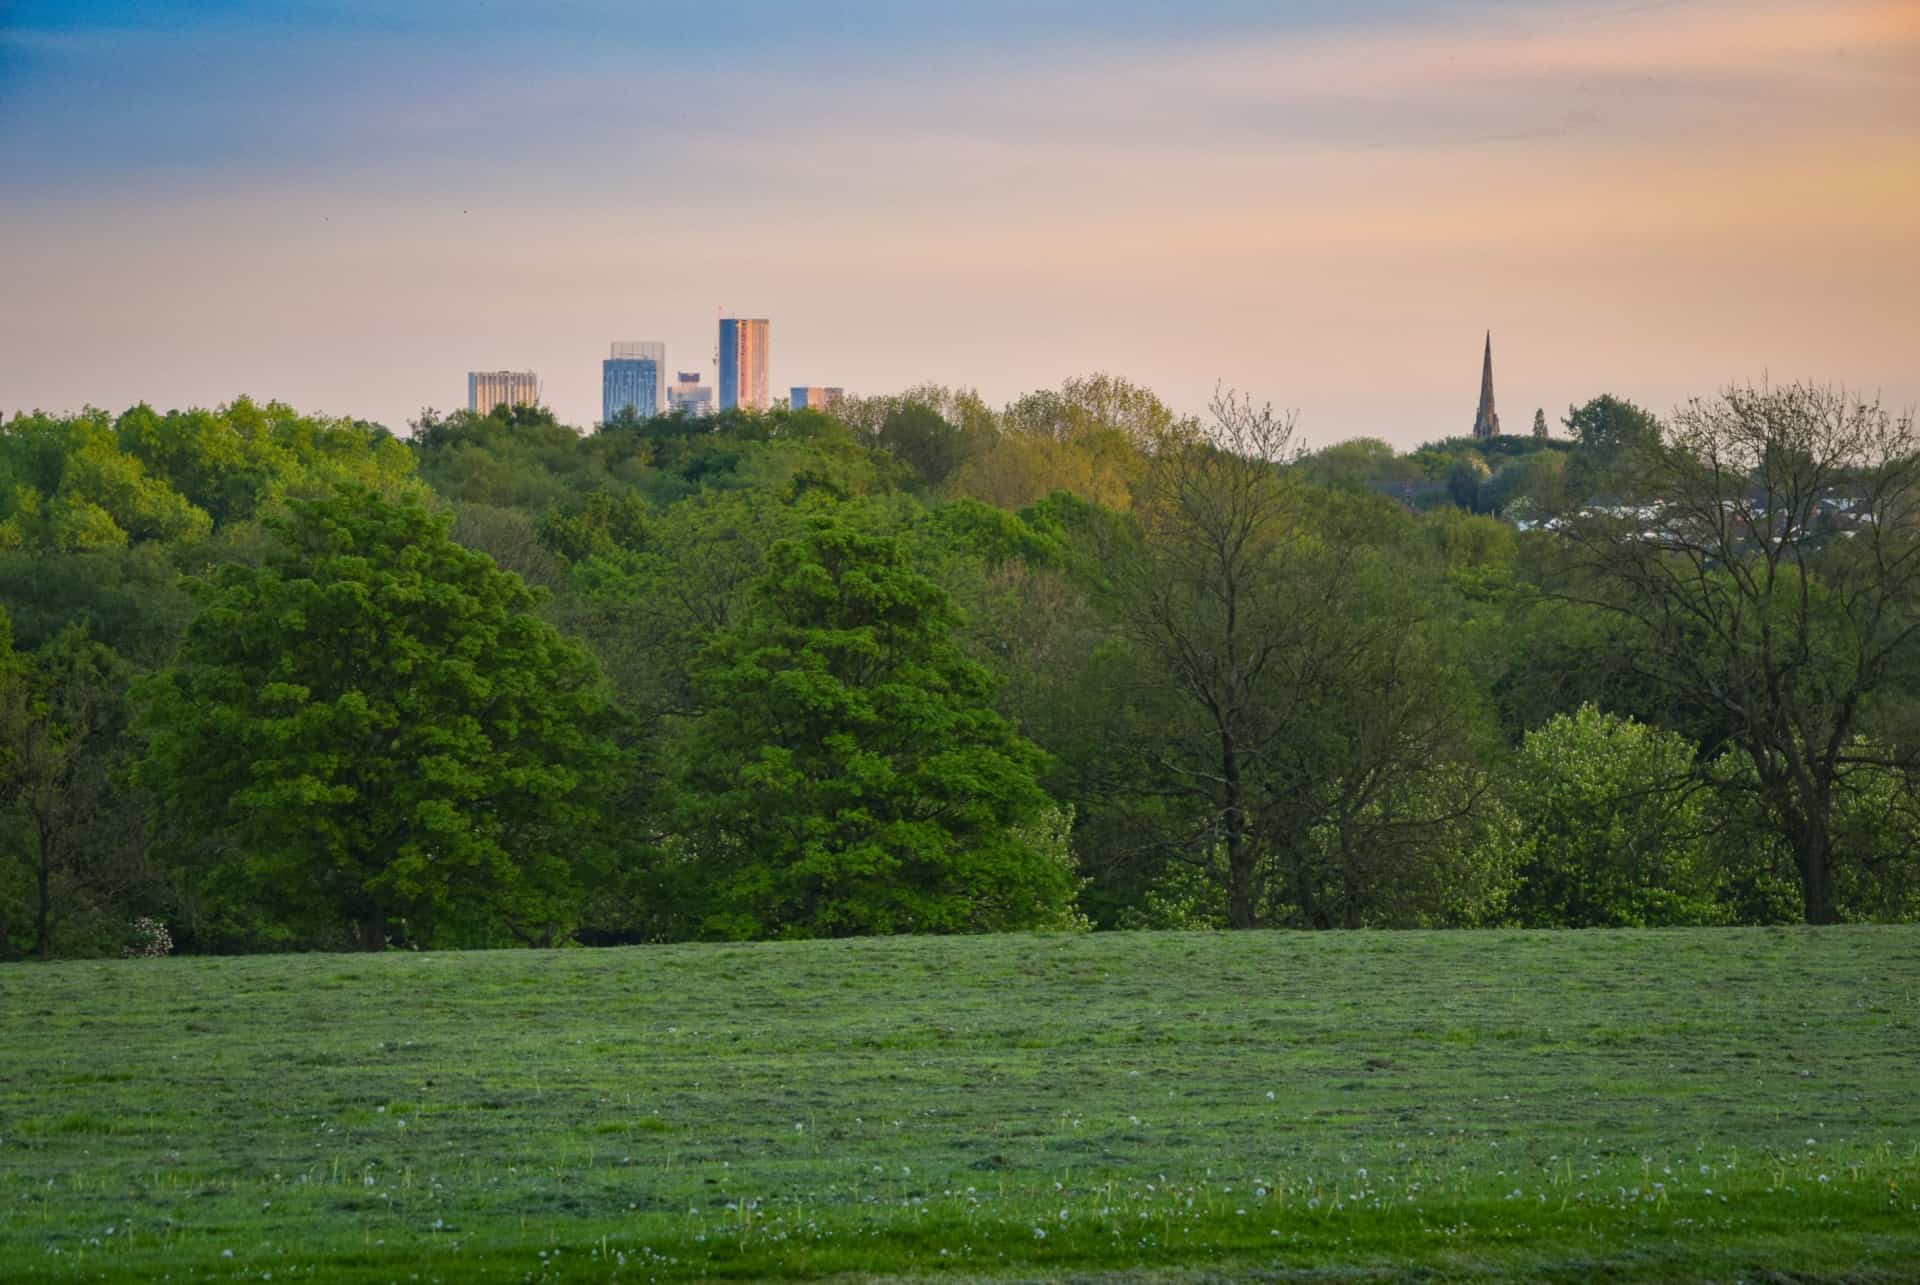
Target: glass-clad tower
{"x": 632, "y": 378}
{"x": 743, "y": 362}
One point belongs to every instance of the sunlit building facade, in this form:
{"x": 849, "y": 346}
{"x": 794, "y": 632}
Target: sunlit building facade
{"x": 814, "y": 397}
{"x": 487, "y": 389}
{"x": 743, "y": 363}
{"x": 633, "y": 378}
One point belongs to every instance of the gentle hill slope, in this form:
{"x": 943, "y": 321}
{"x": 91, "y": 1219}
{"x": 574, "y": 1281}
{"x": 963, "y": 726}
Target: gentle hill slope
{"x": 1639, "y": 1104}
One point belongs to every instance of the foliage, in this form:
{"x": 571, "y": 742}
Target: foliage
{"x": 1464, "y": 480}
{"x": 1019, "y": 469}
{"x": 374, "y": 730}
{"x": 518, "y": 457}
{"x": 66, "y": 485}
{"x": 126, "y": 598}
{"x": 1610, "y": 435}
{"x": 1269, "y": 688}
{"x": 1611, "y": 827}
{"x": 234, "y": 463}
{"x": 1301, "y": 696}
{"x": 1876, "y": 825}
{"x": 847, "y": 773}
{"x": 1775, "y": 586}
{"x": 1358, "y": 464}
{"x": 647, "y": 612}
{"x": 72, "y": 839}
{"x": 597, "y": 524}
{"x": 919, "y": 437}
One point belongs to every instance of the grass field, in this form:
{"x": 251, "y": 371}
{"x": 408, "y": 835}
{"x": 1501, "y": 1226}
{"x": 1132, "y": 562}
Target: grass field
{"x": 1638, "y": 1105}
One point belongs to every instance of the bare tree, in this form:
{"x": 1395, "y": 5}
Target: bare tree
{"x": 1774, "y": 571}
{"x": 1217, "y": 515}
{"x": 1301, "y": 704}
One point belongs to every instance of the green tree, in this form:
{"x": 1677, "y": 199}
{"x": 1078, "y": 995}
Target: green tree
{"x": 1610, "y": 434}
{"x": 1358, "y": 464}
{"x": 848, "y": 774}
{"x": 920, "y": 438}
{"x": 234, "y": 461}
{"x": 127, "y": 598}
{"x": 73, "y": 838}
{"x": 1090, "y": 405}
{"x": 1465, "y": 481}
{"x": 1876, "y": 825}
{"x": 374, "y": 729}
{"x": 1087, "y": 438}
{"x": 518, "y": 457}
{"x": 66, "y": 485}
{"x": 1775, "y": 594}
{"x": 1612, "y": 827}
{"x": 649, "y": 599}
{"x": 1297, "y": 683}
{"x": 598, "y": 523}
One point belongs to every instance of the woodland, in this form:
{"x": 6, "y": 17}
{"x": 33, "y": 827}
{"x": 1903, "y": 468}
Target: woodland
{"x": 272, "y": 681}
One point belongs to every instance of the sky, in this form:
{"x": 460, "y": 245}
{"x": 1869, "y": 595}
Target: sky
{"x": 348, "y": 204}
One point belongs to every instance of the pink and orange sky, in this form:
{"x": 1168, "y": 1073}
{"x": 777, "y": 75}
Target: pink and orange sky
{"x": 349, "y": 205}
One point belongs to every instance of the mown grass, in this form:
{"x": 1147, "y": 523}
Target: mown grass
{"x": 1572, "y": 1106}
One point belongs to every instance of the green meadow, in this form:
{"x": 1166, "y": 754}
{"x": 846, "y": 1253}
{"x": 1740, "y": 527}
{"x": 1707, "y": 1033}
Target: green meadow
{"x": 1661, "y": 1105}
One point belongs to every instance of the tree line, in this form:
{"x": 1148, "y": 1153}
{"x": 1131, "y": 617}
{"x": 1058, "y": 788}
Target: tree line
{"x": 279, "y": 681}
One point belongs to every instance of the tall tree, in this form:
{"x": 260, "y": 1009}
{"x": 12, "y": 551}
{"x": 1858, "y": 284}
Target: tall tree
{"x": 1206, "y": 593}
{"x": 374, "y": 729}
{"x": 848, "y": 774}
{"x": 1611, "y": 826}
{"x": 1775, "y": 591}
{"x": 1609, "y": 434}
{"x": 74, "y": 834}
{"x": 1306, "y": 699}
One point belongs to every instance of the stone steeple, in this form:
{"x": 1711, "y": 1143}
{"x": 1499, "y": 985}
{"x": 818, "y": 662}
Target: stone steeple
{"x": 1486, "y": 421}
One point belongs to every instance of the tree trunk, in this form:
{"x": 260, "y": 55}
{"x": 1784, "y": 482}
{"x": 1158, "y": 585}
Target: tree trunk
{"x": 43, "y": 908}
{"x": 373, "y": 932}
{"x": 1811, "y": 852}
{"x": 1240, "y": 901}
{"x": 1239, "y": 887}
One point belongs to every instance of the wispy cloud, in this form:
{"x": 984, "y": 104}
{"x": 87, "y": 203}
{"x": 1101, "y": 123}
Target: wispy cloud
{"x": 422, "y": 112}
{"x": 1639, "y": 192}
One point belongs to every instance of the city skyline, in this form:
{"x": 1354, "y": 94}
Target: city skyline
{"x": 1313, "y": 204}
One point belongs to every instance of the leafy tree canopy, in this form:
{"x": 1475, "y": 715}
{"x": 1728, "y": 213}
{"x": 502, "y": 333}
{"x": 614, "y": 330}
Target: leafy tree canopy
{"x": 848, "y": 774}
{"x": 374, "y": 729}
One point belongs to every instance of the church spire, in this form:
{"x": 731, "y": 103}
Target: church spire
{"x": 1486, "y": 422}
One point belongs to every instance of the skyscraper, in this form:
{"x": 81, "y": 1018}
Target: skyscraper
{"x": 1486, "y": 423}
{"x": 689, "y": 396}
{"x": 487, "y": 389}
{"x": 814, "y": 397}
{"x": 633, "y": 378}
{"x": 743, "y": 362}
